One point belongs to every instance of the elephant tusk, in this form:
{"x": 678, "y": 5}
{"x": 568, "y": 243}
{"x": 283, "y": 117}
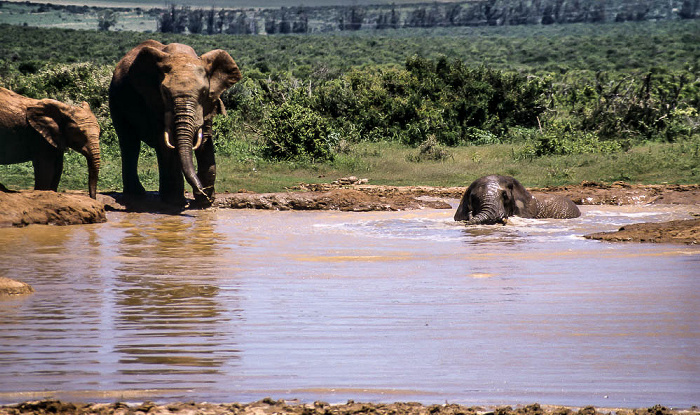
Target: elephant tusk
{"x": 166, "y": 138}
{"x": 199, "y": 140}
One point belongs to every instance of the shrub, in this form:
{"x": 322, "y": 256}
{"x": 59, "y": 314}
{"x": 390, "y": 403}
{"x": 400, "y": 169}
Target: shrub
{"x": 430, "y": 150}
{"x": 292, "y": 131}
{"x": 561, "y": 140}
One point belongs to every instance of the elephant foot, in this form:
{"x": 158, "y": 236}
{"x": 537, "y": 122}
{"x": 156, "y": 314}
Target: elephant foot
{"x": 202, "y": 201}
{"x": 134, "y": 189}
{"x": 174, "y": 201}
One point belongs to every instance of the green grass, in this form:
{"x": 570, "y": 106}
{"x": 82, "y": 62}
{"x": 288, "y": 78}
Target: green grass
{"x": 390, "y": 164}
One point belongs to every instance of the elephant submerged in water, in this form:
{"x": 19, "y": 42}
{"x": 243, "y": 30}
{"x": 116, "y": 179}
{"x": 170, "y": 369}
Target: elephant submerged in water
{"x": 167, "y": 96}
{"x": 39, "y": 130}
{"x": 492, "y": 199}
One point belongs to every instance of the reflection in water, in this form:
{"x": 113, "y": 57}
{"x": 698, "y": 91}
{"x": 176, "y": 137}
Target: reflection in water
{"x": 238, "y": 305}
{"x": 169, "y": 319}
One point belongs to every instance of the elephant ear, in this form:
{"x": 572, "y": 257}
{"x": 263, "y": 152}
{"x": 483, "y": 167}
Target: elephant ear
{"x": 47, "y": 118}
{"x": 222, "y": 70}
{"x": 146, "y": 74}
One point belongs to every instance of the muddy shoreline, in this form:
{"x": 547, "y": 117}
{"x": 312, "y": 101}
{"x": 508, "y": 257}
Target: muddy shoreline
{"x": 270, "y": 407}
{"x": 29, "y": 207}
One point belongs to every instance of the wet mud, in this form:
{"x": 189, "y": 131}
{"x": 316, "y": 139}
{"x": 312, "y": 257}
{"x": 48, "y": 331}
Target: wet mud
{"x": 18, "y": 209}
{"x": 31, "y": 207}
{"x": 11, "y": 287}
{"x": 281, "y": 407}
{"x": 677, "y": 231}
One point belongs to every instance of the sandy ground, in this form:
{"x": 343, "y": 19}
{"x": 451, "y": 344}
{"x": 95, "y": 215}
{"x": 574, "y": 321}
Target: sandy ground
{"x": 270, "y": 407}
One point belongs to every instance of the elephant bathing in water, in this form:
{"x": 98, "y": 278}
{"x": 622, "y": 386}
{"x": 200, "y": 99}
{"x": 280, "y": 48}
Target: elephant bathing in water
{"x": 167, "y": 96}
{"x": 40, "y": 130}
{"x": 492, "y": 199}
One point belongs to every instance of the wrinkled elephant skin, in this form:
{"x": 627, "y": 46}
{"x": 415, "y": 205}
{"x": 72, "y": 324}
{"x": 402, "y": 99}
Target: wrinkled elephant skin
{"x": 166, "y": 96}
{"x": 40, "y": 130}
{"x": 493, "y": 199}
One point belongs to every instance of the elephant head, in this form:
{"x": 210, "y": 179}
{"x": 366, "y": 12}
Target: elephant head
{"x": 66, "y": 126}
{"x": 492, "y": 199}
{"x": 184, "y": 89}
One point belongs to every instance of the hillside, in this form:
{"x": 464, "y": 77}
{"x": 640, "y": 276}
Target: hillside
{"x": 285, "y": 16}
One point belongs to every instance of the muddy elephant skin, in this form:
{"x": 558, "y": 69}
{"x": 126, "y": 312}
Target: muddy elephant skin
{"x": 166, "y": 96}
{"x": 40, "y": 130}
{"x": 493, "y": 199}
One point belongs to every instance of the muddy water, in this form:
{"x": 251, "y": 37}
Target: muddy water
{"x": 239, "y": 305}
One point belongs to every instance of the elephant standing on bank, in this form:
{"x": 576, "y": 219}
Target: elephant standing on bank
{"x": 492, "y": 199}
{"x": 167, "y": 96}
{"x": 40, "y": 130}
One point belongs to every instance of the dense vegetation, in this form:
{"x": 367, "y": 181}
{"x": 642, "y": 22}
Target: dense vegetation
{"x": 554, "y": 103}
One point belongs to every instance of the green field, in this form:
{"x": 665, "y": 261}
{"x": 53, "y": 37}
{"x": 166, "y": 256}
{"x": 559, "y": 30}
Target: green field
{"x": 548, "y": 104}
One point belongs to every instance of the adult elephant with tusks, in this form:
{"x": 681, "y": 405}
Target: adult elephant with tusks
{"x": 492, "y": 199}
{"x": 167, "y": 96}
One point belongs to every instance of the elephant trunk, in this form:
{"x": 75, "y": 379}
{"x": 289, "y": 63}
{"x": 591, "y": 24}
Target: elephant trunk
{"x": 490, "y": 209}
{"x": 93, "y": 160}
{"x": 488, "y": 216}
{"x": 185, "y": 129}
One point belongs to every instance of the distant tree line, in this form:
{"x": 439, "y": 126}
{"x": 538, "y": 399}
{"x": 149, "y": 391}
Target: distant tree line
{"x": 184, "y": 19}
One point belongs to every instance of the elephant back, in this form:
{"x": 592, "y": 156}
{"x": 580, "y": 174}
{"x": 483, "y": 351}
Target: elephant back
{"x": 556, "y": 207}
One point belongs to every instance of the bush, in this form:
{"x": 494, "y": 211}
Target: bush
{"x": 430, "y": 150}
{"x": 656, "y": 105}
{"x": 68, "y": 83}
{"x": 561, "y": 140}
{"x": 292, "y": 132}
{"x": 443, "y": 99}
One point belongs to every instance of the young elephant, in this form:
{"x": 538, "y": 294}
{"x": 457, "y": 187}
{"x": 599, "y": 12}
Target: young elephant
{"x": 40, "y": 130}
{"x": 167, "y": 96}
{"x": 492, "y": 199}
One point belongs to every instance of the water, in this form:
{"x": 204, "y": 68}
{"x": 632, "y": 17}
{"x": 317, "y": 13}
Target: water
{"x": 226, "y": 306}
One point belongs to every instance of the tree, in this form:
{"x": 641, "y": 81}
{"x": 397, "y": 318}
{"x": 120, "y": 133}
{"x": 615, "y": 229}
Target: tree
{"x": 195, "y": 21}
{"x": 173, "y": 20}
{"x": 212, "y": 24}
{"x": 353, "y": 19}
{"x": 106, "y": 18}
{"x": 270, "y": 25}
{"x": 688, "y": 9}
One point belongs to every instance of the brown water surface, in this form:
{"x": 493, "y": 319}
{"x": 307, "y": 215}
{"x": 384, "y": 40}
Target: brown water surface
{"x": 229, "y": 305}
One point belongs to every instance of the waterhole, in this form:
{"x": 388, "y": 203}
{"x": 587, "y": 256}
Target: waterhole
{"x": 237, "y": 305}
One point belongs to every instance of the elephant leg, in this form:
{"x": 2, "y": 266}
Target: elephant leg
{"x": 48, "y": 167}
{"x": 172, "y": 185}
{"x": 206, "y": 171}
{"x": 130, "y": 146}
{"x": 57, "y": 171}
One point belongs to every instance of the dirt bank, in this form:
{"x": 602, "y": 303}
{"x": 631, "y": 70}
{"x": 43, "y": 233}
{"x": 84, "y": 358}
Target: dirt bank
{"x": 270, "y": 407}
{"x": 677, "y": 231}
{"x": 586, "y": 193}
{"x": 12, "y": 287}
{"x": 343, "y": 199}
{"x": 620, "y": 193}
{"x": 23, "y": 208}
{"x": 49, "y": 208}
